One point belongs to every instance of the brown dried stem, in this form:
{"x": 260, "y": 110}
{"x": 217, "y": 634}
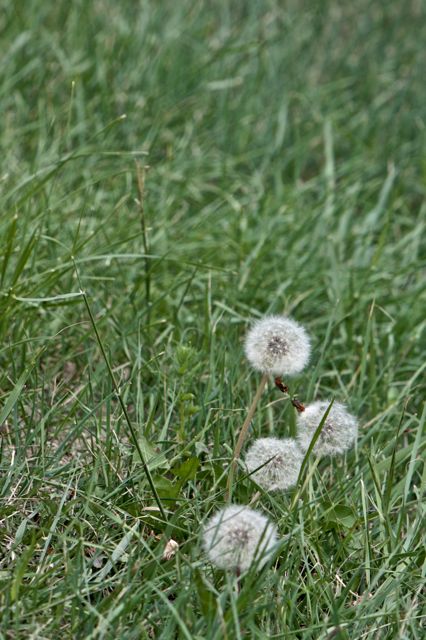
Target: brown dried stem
{"x": 243, "y": 433}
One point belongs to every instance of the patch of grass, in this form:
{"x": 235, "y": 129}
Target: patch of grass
{"x": 285, "y": 144}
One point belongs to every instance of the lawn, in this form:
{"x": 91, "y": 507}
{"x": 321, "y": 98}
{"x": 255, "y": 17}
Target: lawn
{"x": 169, "y": 173}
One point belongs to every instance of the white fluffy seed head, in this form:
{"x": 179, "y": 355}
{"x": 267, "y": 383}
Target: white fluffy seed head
{"x": 281, "y": 460}
{"x": 236, "y": 537}
{"x": 338, "y": 433}
{"x": 277, "y": 345}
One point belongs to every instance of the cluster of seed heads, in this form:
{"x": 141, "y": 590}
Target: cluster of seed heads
{"x": 236, "y": 537}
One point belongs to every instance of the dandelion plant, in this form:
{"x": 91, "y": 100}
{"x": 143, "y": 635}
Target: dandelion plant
{"x": 275, "y": 346}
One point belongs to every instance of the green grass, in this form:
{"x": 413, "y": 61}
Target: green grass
{"x": 285, "y": 142}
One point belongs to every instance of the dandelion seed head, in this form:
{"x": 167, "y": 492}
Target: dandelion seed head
{"x": 277, "y": 345}
{"x": 281, "y": 460}
{"x": 236, "y": 537}
{"x": 338, "y": 433}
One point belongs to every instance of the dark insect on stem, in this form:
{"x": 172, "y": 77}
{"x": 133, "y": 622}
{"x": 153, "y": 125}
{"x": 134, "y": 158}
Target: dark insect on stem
{"x": 297, "y": 405}
{"x": 280, "y": 384}
{"x": 284, "y": 388}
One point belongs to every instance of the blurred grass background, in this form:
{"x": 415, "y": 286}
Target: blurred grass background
{"x": 281, "y": 147}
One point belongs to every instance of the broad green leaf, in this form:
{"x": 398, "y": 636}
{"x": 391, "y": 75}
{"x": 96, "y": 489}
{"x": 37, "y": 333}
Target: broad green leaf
{"x": 187, "y": 470}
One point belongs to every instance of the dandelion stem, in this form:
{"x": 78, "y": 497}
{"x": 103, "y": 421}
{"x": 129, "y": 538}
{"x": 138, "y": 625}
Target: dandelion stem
{"x": 243, "y": 434}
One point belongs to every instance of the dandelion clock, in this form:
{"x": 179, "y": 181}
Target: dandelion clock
{"x": 237, "y": 537}
{"x": 277, "y": 345}
{"x": 339, "y": 431}
{"x": 274, "y": 463}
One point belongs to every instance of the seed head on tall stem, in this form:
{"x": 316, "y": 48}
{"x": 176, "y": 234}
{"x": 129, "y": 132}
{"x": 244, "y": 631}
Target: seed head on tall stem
{"x": 275, "y": 345}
